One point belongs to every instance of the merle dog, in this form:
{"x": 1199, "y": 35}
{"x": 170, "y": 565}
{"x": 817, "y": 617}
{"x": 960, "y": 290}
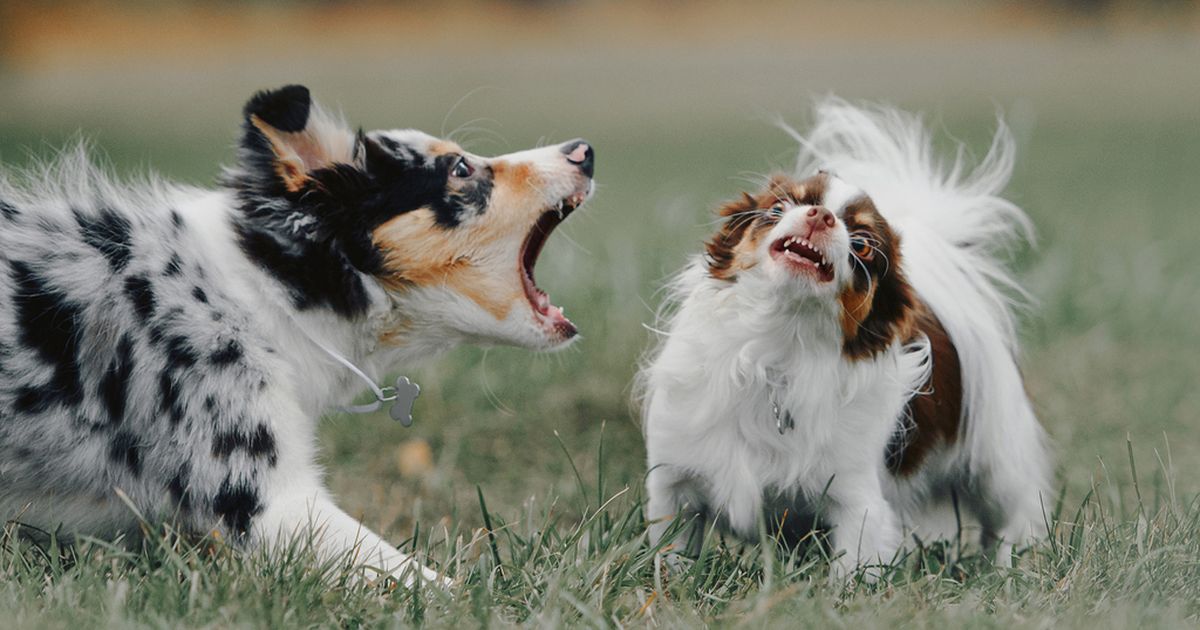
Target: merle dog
{"x": 174, "y": 347}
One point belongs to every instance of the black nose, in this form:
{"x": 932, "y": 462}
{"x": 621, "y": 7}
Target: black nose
{"x": 580, "y": 153}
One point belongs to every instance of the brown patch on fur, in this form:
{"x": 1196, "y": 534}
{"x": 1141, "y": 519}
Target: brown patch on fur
{"x": 937, "y": 414}
{"x": 488, "y": 292}
{"x": 865, "y": 220}
{"x": 417, "y": 252}
{"x": 394, "y": 334}
{"x": 292, "y": 174}
{"x": 471, "y": 259}
{"x": 422, "y": 271}
{"x": 519, "y": 175}
{"x": 811, "y": 191}
{"x": 856, "y": 305}
{"x": 722, "y": 247}
{"x": 443, "y": 147}
{"x": 732, "y": 248}
{"x": 320, "y": 144}
{"x": 877, "y": 305}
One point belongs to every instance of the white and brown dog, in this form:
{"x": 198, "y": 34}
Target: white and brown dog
{"x": 178, "y": 345}
{"x": 844, "y": 353}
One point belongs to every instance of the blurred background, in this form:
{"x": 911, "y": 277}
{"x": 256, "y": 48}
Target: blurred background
{"x": 680, "y": 100}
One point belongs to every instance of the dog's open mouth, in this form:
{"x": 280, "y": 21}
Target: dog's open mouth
{"x": 800, "y": 255}
{"x": 549, "y": 314}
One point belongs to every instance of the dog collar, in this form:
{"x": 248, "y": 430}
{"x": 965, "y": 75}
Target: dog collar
{"x": 400, "y": 396}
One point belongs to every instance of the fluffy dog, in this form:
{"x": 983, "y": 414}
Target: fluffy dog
{"x": 843, "y": 355}
{"x": 178, "y": 345}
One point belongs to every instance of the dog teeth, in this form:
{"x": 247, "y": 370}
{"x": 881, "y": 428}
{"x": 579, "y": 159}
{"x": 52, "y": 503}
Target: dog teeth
{"x": 790, "y": 241}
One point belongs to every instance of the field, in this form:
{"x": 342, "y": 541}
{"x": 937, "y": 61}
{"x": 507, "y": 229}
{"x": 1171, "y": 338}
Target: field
{"x": 522, "y": 476}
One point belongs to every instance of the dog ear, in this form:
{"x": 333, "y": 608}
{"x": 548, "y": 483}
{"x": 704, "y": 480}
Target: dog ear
{"x": 881, "y": 309}
{"x": 286, "y": 137}
{"x": 720, "y": 252}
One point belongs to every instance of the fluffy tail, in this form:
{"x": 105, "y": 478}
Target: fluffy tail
{"x": 956, "y": 233}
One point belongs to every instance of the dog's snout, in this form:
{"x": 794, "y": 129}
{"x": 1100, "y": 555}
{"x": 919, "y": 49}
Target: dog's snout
{"x": 819, "y": 218}
{"x": 579, "y": 152}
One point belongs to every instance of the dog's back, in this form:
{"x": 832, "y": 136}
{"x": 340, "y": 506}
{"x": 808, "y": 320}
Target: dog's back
{"x": 107, "y": 305}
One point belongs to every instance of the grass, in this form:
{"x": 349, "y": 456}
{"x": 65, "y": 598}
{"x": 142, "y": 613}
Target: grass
{"x": 522, "y": 475}
{"x": 1109, "y": 564}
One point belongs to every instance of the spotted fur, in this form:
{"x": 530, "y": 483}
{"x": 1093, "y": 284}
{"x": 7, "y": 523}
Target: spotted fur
{"x": 171, "y": 344}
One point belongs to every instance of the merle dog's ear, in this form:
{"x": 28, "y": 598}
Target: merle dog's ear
{"x": 285, "y": 109}
{"x": 286, "y": 137}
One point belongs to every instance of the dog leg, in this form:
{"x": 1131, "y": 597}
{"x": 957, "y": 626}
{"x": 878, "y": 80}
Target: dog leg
{"x": 1011, "y": 490}
{"x": 670, "y": 499}
{"x": 1012, "y": 515}
{"x": 866, "y": 530}
{"x": 662, "y": 505}
{"x": 336, "y": 535}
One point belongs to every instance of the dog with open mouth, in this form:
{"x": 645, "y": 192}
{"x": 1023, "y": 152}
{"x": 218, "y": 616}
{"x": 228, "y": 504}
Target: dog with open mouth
{"x": 171, "y": 349}
{"x": 843, "y": 356}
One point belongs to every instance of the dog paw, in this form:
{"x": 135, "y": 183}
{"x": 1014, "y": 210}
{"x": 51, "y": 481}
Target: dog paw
{"x": 1004, "y": 555}
{"x": 409, "y": 576}
{"x": 432, "y": 578}
{"x": 443, "y": 582}
{"x": 844, "y": 571}
{"x": 841, "y": 571}
{"x": 676, "y": 563}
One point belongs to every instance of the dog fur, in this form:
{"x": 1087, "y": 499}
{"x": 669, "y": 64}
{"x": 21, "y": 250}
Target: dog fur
{"x": 889, "y": 339}
{"x": 173, "y": 344}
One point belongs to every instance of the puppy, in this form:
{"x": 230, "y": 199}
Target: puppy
{"x": 843, "y": 354}
{"x": 174, "y": 347}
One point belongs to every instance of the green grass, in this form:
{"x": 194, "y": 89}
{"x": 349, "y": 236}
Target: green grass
{"x": 550, "y": 442}
{"x": 1109, "y": 564}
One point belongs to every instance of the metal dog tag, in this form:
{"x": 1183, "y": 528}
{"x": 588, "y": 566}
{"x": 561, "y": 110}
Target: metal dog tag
{"x": 783, "y": 421}
{"x": 402, "y": 406}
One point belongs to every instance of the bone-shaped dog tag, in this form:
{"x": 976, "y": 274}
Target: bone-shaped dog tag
{"x": 783, "y": 419}
{"x": 406, "y": 394}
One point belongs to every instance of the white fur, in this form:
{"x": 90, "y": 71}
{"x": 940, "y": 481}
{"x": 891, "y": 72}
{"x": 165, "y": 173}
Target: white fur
{"x": 730, "y": 349}
{"x": 57, "y": 467}
{"x": 306, "y": 381}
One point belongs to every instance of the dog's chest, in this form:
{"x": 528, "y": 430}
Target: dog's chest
{"x": 731, "y": 431}
{"x": 735, "y": 433}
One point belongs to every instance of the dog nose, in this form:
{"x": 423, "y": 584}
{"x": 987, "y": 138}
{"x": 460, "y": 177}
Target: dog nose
{"x": 580, "y": 153}
{"x": 820, "y": 218}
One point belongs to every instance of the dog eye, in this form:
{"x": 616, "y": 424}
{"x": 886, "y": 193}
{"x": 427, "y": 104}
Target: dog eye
{"x": 861, "y": 246}
{"x": 461, "y": 169}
